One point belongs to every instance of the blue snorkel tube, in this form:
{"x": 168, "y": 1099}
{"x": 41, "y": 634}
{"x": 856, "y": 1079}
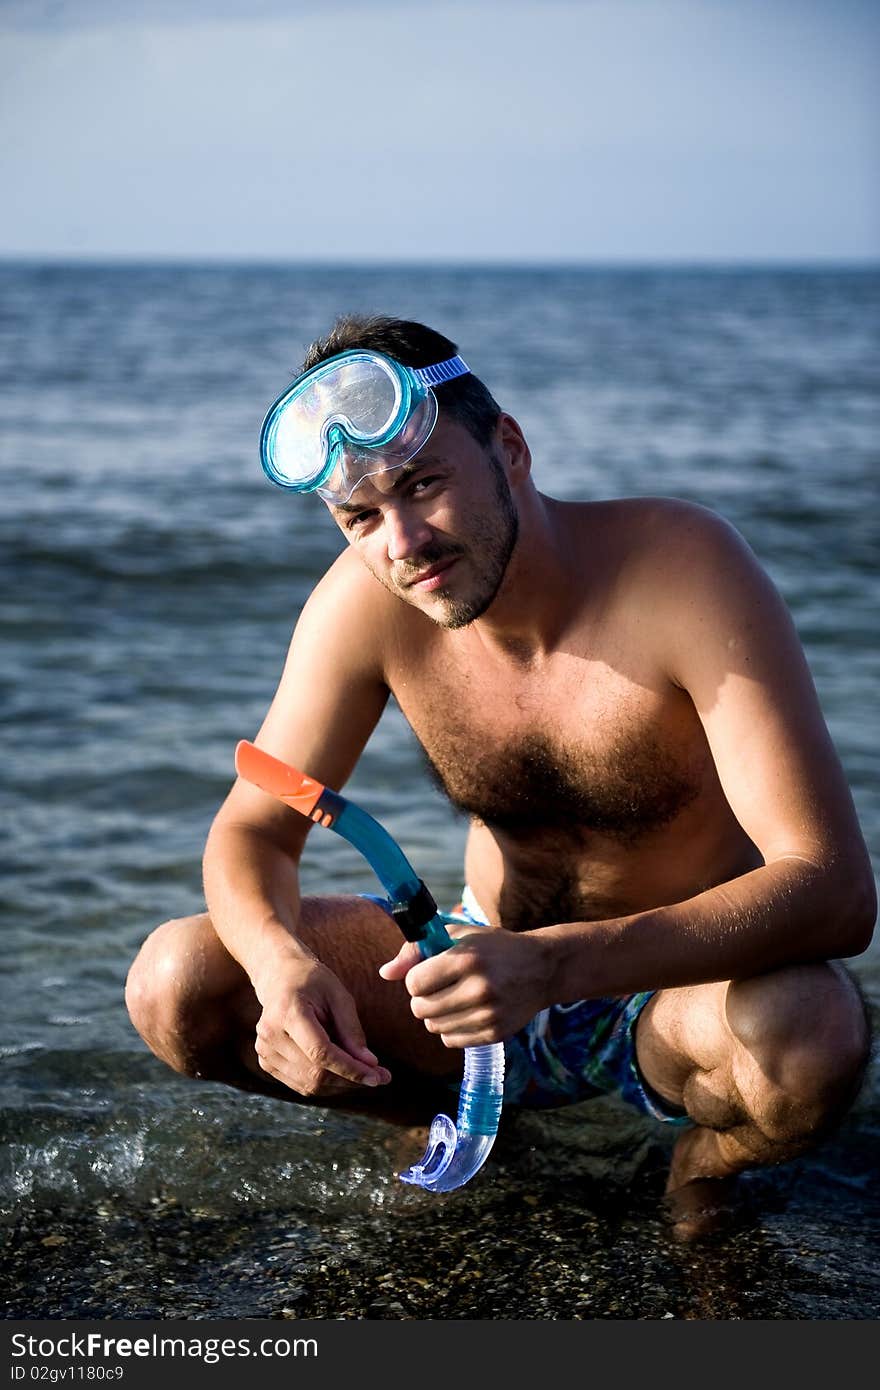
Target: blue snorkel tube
{"x": 455, "y": 1151}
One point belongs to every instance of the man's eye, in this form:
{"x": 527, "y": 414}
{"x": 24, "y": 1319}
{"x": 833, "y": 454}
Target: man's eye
{"x": 422, "y": 484}
{"x": 359, "y": 519}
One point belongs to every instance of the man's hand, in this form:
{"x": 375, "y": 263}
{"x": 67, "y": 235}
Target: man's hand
{"x": 309, "y": 1036}
{"x": 482, "y": 990}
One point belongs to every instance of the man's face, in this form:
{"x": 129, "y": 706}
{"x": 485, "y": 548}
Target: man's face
{"x": 438, "y": 532}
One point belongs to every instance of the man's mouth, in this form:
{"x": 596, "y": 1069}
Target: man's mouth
{"x": 433, "y": 577}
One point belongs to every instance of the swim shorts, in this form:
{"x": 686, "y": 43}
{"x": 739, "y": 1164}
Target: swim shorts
{"x": 570, "y": 1052}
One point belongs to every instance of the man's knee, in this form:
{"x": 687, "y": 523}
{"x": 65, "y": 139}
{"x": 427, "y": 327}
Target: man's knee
{"x": 804, "y": 1044}
{"x": 169, "y": 985}
{"x": 156, "y": 977}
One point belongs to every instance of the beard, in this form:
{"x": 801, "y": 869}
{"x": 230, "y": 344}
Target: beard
{"x": 490, "y": 544}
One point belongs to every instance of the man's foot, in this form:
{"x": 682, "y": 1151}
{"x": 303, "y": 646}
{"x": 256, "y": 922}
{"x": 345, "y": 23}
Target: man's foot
{"x": 703, "y": 1196}
{"x": 703, "y": 1207}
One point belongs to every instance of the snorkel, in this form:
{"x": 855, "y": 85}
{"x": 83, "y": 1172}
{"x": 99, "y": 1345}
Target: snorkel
{"x": 455, "y": 1151}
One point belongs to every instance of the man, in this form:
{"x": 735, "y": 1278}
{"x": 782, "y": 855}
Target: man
{"x": 663, "y": 862}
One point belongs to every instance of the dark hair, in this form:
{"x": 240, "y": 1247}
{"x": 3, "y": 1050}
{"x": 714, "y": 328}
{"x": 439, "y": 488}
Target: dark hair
{"x": 465, "y": 399}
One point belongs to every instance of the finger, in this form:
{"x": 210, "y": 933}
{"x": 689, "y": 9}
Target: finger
{"x": 463, "y": 1040}
{"x": 439, "y": 972}
{"x": 477, "y": 1031}
{"x": 399, "y": 966}
{"x": 297, "y": 1077}
{"x": 463, "y": 1023}
{"x": 322, "y": 1052}
{"x": 466, "y": 1032}
{"x": 348, "y": 1031}
{"x": 454, "y": 1000}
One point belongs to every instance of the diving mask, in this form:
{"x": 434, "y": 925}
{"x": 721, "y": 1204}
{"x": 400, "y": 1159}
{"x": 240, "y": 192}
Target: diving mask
{"x": 351, "y": 417}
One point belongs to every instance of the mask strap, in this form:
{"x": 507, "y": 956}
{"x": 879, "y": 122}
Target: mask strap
{"x": 441, "y": 371}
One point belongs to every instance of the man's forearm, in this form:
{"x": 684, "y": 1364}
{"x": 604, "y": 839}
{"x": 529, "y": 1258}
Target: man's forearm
{"x": 253, "y": 897}
{"x": 786, "y": 912}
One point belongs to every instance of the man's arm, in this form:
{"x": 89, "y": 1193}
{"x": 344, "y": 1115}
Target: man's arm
{"x": 727, "y": 639}
{"x": 327, "y": 704}
{"x": 732, "y": 646}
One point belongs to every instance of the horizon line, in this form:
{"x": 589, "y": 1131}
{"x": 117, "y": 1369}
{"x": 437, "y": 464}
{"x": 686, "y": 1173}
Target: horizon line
{"x": 256, "y": 261}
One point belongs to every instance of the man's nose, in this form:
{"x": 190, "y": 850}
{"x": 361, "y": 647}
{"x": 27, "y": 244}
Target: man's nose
{"x": 405, "y": 534}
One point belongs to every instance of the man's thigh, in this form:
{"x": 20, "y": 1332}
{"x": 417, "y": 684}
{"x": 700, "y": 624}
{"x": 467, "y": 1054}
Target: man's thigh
{"x": 680, "y": 1031}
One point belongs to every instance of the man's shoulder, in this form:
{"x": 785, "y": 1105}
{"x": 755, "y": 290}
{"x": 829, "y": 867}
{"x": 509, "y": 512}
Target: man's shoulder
{"x": 692, "y": 570}
{"x": 657, "y": 512}
{"x": 342, "y": 626}
{"x": 350, "y": 597}
{"x": 678, "y": 560}
{"x": 647, "y": 530}
{"x": 347, "y": 580}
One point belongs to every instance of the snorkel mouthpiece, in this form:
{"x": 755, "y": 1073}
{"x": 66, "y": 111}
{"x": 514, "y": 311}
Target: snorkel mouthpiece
{"x": 455, "y": 1151}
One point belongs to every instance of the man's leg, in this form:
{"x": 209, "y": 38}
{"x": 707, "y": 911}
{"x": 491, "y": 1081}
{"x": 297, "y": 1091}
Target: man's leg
{"x": 196, "y": 1009}
{"x": 765, "y": 1068}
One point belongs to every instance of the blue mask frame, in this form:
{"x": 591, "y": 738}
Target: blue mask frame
{"x": 350, "y": 417}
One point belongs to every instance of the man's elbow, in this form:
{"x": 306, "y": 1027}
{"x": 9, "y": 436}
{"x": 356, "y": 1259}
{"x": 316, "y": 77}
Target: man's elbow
{"x": 856, "y": 911}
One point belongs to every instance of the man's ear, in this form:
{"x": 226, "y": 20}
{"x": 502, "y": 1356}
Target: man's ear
{"x": 512, "y": 448}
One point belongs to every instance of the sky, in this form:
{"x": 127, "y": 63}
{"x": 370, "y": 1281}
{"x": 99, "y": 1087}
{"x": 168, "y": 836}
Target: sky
{"x": 376, "y": 131}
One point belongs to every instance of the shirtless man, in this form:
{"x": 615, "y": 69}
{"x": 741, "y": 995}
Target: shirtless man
{"x": 663, "y": 850}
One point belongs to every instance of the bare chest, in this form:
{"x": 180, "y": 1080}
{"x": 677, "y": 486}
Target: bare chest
{"x": 577, "y": 747}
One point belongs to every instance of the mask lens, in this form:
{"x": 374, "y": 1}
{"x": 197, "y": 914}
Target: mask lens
{"x": 363, "y": 399}
{"x": 357, "y": 400}
{"x": 353, "y": 465}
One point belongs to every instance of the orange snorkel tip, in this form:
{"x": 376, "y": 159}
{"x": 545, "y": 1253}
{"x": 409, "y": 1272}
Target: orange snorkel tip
{"x": 281, "y": 780}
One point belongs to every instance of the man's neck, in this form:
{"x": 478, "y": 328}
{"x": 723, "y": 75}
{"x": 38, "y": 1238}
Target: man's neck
{"x": 534, "y": 603}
